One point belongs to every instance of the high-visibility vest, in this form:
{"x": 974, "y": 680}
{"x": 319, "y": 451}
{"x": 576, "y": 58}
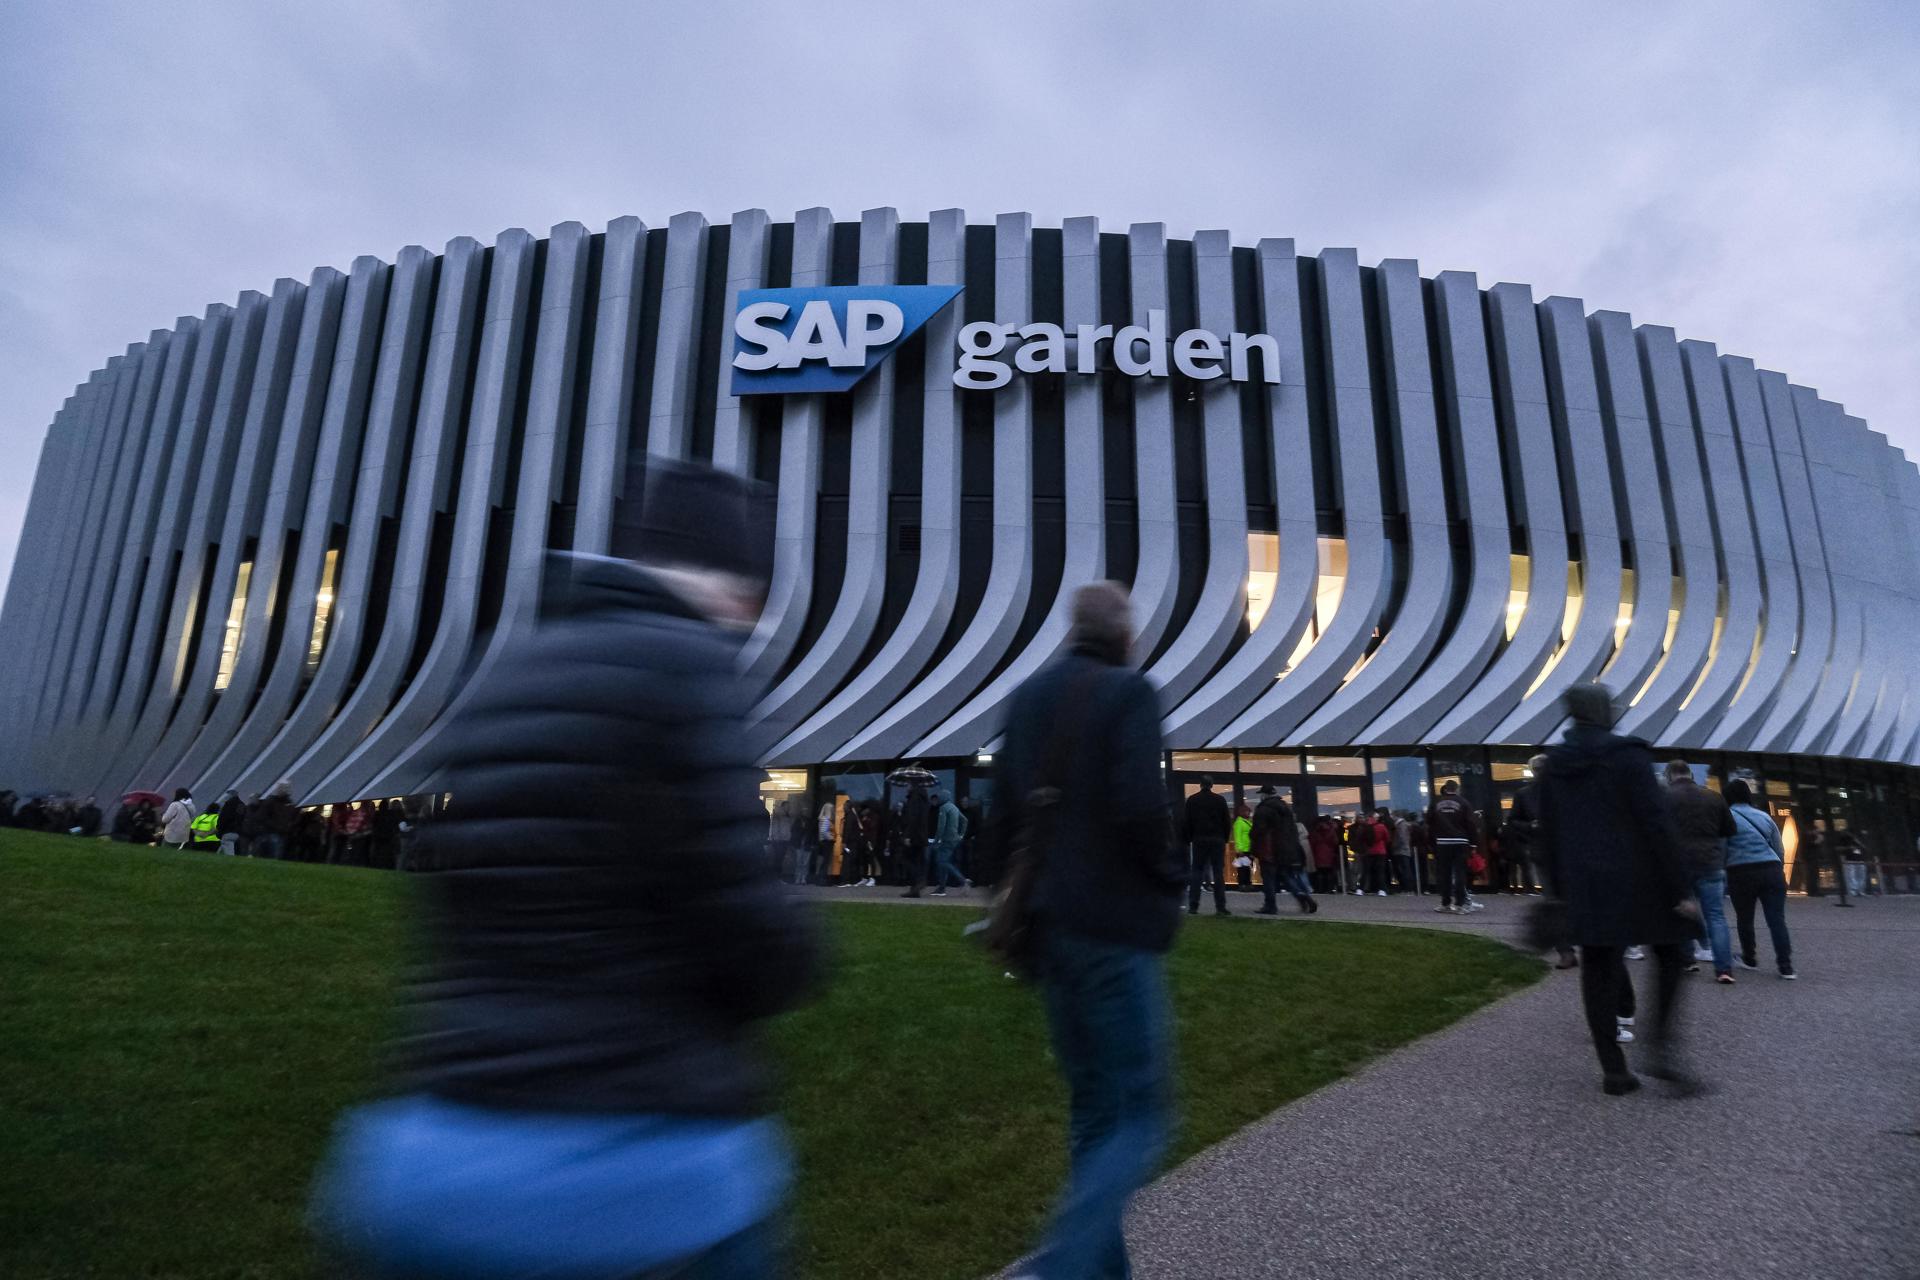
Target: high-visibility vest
{"x": 204, "y": 828}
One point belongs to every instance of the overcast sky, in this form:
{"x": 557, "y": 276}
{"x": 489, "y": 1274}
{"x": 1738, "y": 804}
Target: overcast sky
{"x": 1748, "y": 173}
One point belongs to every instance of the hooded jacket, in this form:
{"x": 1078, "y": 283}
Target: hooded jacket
{"x": 1703, "y": 824}
{"x": 1275, "y": 835}
{"x": 1607, "y": 838}
{"x": 599, "y": 930}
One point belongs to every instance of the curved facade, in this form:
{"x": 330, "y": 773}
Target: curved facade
{"x": 275, "y": 540}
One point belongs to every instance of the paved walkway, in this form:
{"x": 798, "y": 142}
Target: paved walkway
{"x": 1488, "y": 1151}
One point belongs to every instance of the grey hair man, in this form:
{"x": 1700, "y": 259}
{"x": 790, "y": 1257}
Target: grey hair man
{"x": 1087, "y": 728}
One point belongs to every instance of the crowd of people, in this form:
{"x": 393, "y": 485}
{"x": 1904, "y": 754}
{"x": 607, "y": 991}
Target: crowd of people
{"x": 369, "y": 833}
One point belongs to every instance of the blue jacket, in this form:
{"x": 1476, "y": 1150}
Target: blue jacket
{"x": 1754, "y": 838}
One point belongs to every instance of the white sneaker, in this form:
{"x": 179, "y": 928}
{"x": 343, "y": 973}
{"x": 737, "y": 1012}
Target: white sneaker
{"x": 1359, "y": 893}
{"x": 1636, "y": 953}
{"x": 1476, "y": 905}
{"x": 1622, "y": 1036}
{"x": 1379, "y": 893}
{"x": 1703, "y": 955}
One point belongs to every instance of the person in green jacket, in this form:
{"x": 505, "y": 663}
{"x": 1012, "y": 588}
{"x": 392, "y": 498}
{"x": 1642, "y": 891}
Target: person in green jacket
{"x": 950, "y": 828}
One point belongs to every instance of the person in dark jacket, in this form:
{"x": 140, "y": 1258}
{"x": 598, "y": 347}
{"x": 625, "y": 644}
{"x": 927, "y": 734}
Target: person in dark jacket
{"x": 1106, "y": 905}
{"x": 233, "y": 817}
{"x": 1454, "y": 828}
{"x": 1703, "y": 824}
{"x": 1205, "y": 826}
{"x": 87, "y": 818}
{"x": 1608, "y": 837}
{"x": 916, "y": 825}
{"x": 581, "y": 1092}
{"x": 1276, "y": 844}
{"x": 277, "y": 819}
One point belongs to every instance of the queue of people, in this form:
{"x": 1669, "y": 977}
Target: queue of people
{"x": 925, "y": 842}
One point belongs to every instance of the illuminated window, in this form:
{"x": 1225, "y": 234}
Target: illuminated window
{"x": 1675, "y": 596}
{"x": 236, "y": 622}
{"x": 1713, "y": 646}
{"x": 1332, "y": 584}
{"x": 1520, "y": 573}
{"x": 1263, "y": 574}
{"x": 1623, "y": 620}
{"x": 322, "y": 611}
{"x": 1569, "y": 620}
{"x": 781, "y": 784}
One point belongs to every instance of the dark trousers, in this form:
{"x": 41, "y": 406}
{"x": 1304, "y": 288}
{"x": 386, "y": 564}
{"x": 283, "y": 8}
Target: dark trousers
{"x": 1323, "y": 880}
{"x": 1274, "y": 878}
{"x": 1107, "y": 1010}
{"x": 914, "y": 858}
{"x": 1403, "y": 873}
{"x": 1766, "y": 884}
{"x": 1373, "y": 874}
{"x": 1450, "y": 868}
{"x": 1203, "y": 867}
{"x": 1606, "y": 992}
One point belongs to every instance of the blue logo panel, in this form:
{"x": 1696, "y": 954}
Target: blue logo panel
{"x": 825, "y": 338}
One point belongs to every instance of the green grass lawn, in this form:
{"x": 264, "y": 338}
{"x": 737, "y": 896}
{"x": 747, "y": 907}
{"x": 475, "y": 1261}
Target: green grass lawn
{"x": 177, "y": 1032}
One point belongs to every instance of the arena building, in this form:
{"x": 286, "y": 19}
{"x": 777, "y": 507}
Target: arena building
{"x": 1374, "y": 523}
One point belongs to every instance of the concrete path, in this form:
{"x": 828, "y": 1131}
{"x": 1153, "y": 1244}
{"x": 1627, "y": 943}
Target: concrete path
{"x": 1488, "y": 1151}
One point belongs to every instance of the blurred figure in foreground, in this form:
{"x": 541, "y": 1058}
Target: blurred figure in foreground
{"x": 581, "y": 1094}
{"x": 1608, "y": 837}
{"x": 1083, "y": 740}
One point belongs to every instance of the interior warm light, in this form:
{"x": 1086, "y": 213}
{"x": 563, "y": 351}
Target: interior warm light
{"x": 322, "y": 609}
{"x": 1328, "y": 588}
{"x": 1569, "y": 620}
{"x": 1263, "y": 574}
{"x": 236, "y": 623}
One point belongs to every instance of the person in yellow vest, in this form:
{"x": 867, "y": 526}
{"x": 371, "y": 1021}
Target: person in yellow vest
{"x": 206, "y": 830}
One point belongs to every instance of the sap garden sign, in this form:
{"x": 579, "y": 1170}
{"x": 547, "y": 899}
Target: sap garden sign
{"x": 827, "y": 338}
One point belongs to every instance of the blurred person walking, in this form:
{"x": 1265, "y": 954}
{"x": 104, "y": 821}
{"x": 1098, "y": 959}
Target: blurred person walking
{"x": 1609, "y": 839}
{"x": 1703, "y": 824}
{"x": 231, "y": 823}
{"x": 1276, "y": 843}
{"x": 581, "y": 1092}
{"x": 1205, "y": 827}
{"x": 1079, "y": 776}
{"x": 949, "y": 830}
{"x": 915, "y": 829}
{"x": 1755, "y": 874}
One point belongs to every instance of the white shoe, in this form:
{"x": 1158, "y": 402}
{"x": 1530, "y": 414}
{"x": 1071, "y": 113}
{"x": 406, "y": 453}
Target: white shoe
{"x": 1622, "y": 1036}
{"x": 1636, "y": 953}
{"x": 1359, "y": 893}
{"x": 1703, "y": 955}
{"x": 1379, "y": 893}
{"x": 1476, "y": 905}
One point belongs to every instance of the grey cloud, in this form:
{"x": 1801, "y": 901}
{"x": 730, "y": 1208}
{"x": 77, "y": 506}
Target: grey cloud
{"x": 1743, "y": 172}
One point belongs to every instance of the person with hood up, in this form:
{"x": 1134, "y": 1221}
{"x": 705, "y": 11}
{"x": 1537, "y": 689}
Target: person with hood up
{"x": 950, "y": 828}
{"x": 233, "y": 816}
{"x": 1276, "y": 843}
{"x": 1608, "y": 838}
{"x": 1703, "y": 824}
{"x": 581, "y": 1091}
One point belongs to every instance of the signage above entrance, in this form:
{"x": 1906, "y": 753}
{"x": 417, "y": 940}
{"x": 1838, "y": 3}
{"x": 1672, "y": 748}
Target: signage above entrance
{"x": 827, "y": 338}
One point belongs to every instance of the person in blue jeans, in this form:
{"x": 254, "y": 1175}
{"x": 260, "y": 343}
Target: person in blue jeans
{"x": 950, "y": 828}
{"x": 1105, "y": 906}
{"x": 1756, "y": 873}
{"x": 1703, "y": 825}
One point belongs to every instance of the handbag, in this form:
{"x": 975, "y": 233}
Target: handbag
{"x": 1009, "y": 933}
{"x": 1476, "y": 862}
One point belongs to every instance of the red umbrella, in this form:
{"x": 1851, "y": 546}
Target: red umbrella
{"x": 153, "y": 798}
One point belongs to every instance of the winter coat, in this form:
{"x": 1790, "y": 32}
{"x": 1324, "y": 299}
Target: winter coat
{"x": 1607, "y": 837}
{"x": 233, "y": 816}
{"x": 600, "y": 930}
{"x": 1755, "y": 838}
{"x": 277, "y": 815}
{"x": 1703, "y": 824}
{"x": 1452, "y": 818}
{"x": 1110, "y": 873}
{"x": 1326, "y": 847}
{"x": 1276, "y": 836}
{"x": 1523, "y": 824}
{"x": 1243, "y": 836}
{"x": 176, "y": 822}
{"x": 1206, "y": 820}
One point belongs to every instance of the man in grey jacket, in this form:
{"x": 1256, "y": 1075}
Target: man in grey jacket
{"x": 949, "y": 829}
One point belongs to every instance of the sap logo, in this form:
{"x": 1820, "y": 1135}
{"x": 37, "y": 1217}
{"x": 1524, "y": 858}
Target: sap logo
{"x": 825, "y": 338}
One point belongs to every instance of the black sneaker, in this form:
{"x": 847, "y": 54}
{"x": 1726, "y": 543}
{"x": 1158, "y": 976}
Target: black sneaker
{"x": 1620, "y": 1085}
{"x": 1221, "y": 911}
{"x": 1680, "y": 1082}
{"x": 1786, "y": 971}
